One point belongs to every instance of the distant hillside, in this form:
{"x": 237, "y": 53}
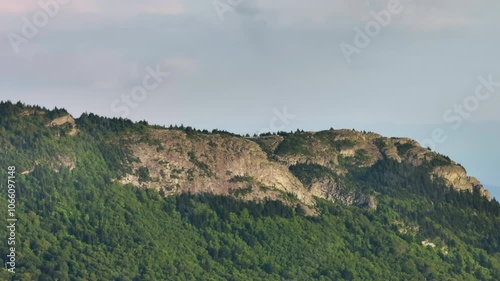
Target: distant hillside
{"x": 110, "y": 199}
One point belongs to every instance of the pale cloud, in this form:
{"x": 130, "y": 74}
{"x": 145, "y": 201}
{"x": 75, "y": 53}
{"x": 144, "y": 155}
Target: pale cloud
{"x": 124, "y": 8}
{"x": 438, "y": 15}
{"x": 418, "y": 15}
{"x": 98, "y": 67}
{"x": 182, "y": 64}
{"x": 84, "y": 7}
{"x": 17, "y": 7}
{"x": 165, "y": 7}
{"x": 289, "y": 12}
{"x": 129, "y": 8}
{"x": 434, "y": 20}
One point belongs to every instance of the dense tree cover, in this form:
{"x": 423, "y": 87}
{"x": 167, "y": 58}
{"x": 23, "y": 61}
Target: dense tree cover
{"x": 80, "y": 225}
{"x": 293, "y": 144}
{"x": 307, "y": 173}
{"x": 468, "y": 215}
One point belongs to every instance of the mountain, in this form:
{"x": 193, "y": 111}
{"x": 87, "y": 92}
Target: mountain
{"x": 110, "y": 199}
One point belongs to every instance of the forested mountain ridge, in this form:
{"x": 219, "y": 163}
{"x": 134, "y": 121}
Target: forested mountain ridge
{"x": 335, "y": 204}
{"x": 292, "y": 167}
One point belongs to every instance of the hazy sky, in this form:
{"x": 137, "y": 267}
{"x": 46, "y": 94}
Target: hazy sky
{"x": 268, "y": 65}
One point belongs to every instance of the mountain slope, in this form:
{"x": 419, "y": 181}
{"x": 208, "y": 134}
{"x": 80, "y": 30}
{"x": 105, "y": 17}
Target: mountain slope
{"x": 187, "y": 160}
{"x": 109, "y": 199}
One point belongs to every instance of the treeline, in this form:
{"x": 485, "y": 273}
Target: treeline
{"x": 422, "y": 200}
{"x": 77, "y": 223}
{"x": 75, "y": 226}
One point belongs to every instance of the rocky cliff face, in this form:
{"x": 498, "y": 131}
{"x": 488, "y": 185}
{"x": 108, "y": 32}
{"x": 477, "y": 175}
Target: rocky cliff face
{"x": 218, "y": 164}
{"x": 259, "y": 168}
{"x": 65, "y": 120}
{"x": 295, "y": 168}
{"x": 456, "y": 177}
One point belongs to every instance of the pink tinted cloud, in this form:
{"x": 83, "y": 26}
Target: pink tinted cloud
{"x": 17, "y": 7}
